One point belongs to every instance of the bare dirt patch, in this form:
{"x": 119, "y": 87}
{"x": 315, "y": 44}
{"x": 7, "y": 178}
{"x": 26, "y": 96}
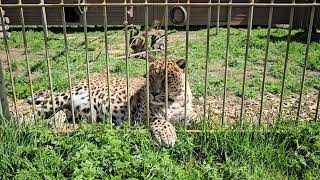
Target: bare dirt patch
{"x": 14, "y": 53}
{"x": 182, "y": 36}
{"x": 232, "y": 109}
{"x": 252, "y": 107}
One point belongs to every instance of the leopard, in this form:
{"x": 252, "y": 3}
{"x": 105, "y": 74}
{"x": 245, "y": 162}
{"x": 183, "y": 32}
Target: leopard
{"x": 167, "y": 104}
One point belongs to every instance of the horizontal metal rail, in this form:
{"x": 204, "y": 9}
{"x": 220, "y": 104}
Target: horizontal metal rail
{"x": 217, "y": 130}
{"x": 164, "y": 5}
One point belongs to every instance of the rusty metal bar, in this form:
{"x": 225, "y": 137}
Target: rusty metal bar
{"x": 146, "y": 24}
{"x": 265, "y": 61}
{"x": 1, "y": 112}
{"x": 226, "y": 65}
{"x": 218, "y": 18}
{"x": 286, "y": 59}
{"x": 306, "y": 59}
{"x": 66, "y": 52}
{"x": 5, "y": 39}
{"x": 3, "y": 96}
{"x": 127, "y": 58}
{"x": 186, "y": 66}
{"x": 166, "y": 4}
{"x": 45, "y": 37}
{"x": 206, "y": 72}
{"x": 107, "y": 61}
{"x": 246, "y": 60}
{"x": 85, "y": 29}
{"x": 4, "y": 106}
{"x": 25, "y": 43}
{"x": 215, "y": 130}
{"x": 166, "y": 57}
{"x": 317, "y": 108}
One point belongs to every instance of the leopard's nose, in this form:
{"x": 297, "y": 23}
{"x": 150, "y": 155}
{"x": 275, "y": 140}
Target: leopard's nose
{"x": 154, "y": 94}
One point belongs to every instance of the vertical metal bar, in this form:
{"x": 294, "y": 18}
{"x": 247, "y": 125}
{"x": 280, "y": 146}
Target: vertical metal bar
{"x": 66, "y": 52}
{"x": 226, "y": 65}
{"x": 218, "y": 18}
{"x": 146, "y": 24}
{"x": 85, "y": 28}
{"x": 265, "y": 61}
{"x": 5, "y": 39}
{"x": 186, "y": 66}
{"x": 45, "y": 37}
{"x": 246, "y": 59}
{"x": 286, "y": 59}
{"x": 206, "y": 72}
{"x": 1, "y": 112}
{"x": 127, "y": 57}
{"x": 3, "y": 94}
{"x": 107, "y": 60}
{"x": 306, "y": 59}
{"x": 317, "y": 108}
{"x": 25, "y": 43}
{"x": 45, "y": 17}
{"x": 166, "y": 56}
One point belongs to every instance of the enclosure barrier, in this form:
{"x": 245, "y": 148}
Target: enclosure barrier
{"x": 251, "y": 5}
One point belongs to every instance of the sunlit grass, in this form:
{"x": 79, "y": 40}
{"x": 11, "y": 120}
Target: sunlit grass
{"x": 176, "y": 49}
{"x": 286, "y": 151}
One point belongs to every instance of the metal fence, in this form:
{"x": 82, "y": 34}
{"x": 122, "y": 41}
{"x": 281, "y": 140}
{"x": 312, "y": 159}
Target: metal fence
{"x": 251, "y": 5}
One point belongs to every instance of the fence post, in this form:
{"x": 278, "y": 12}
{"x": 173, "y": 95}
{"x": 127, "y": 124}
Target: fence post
{"x": 3, "y": 95}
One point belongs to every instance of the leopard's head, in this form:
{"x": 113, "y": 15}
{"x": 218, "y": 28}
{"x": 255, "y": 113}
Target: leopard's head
{"x": 176, "y": 77}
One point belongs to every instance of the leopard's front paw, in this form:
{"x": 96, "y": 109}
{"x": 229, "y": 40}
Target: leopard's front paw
{"x": 164, "y": 132}
{"x": 58, "y": 120}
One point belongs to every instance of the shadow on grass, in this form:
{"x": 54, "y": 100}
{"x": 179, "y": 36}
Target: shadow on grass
{"x": 297, "y": 37}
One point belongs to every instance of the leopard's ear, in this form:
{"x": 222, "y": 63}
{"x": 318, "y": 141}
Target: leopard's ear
{"x": 151, "y": 59}
{"x": 181, "y": 63}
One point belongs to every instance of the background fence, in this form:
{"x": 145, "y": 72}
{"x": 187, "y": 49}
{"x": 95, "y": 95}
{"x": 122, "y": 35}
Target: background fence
{"x": 198, "y": 15}
{"x": 251, "y": 7}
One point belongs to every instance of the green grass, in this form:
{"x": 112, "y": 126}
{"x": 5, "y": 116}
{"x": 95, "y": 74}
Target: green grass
{"x": 176, "y": 49}
{"x": 287, "y": 151}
